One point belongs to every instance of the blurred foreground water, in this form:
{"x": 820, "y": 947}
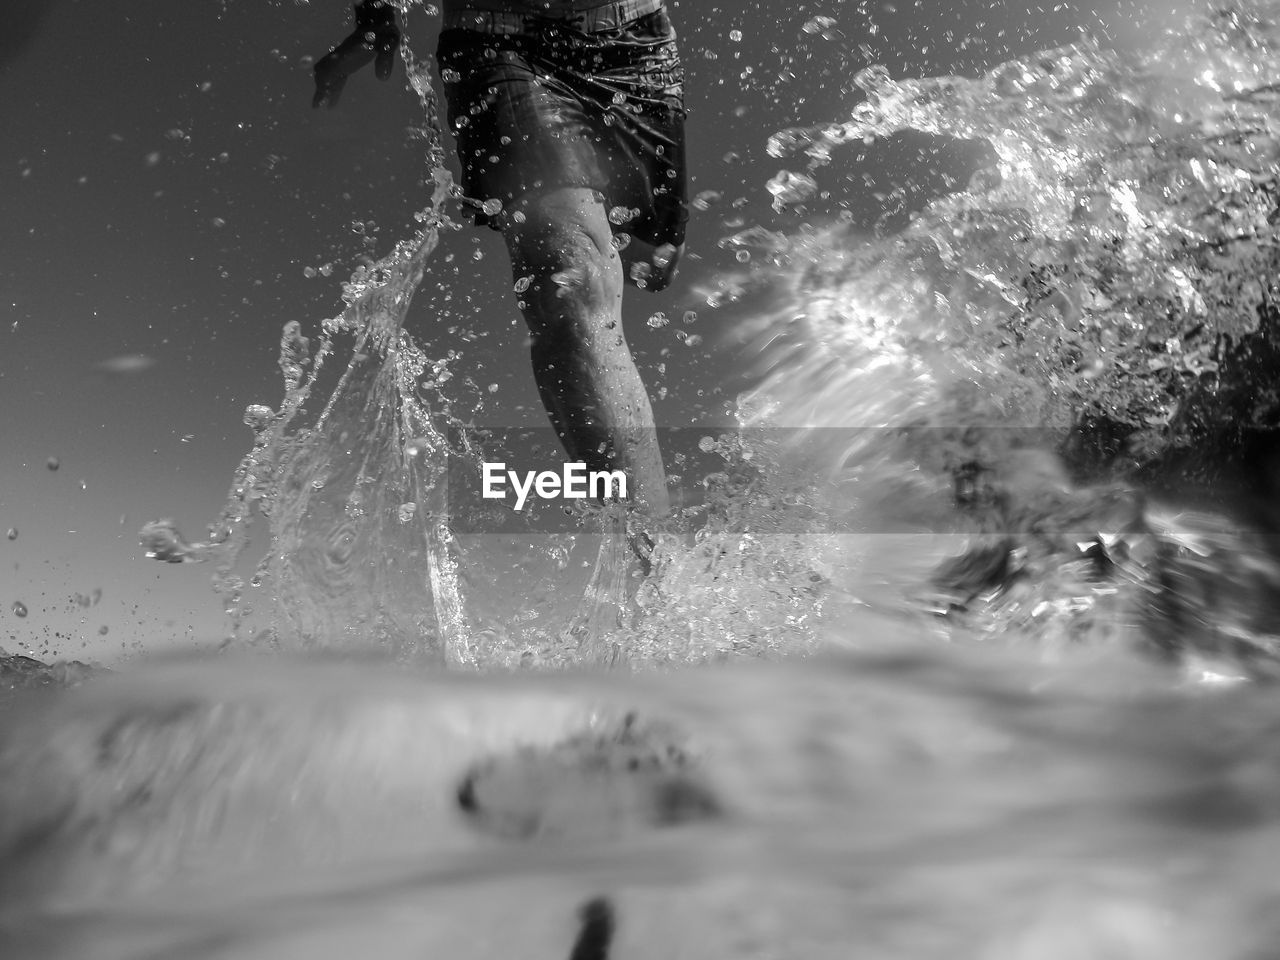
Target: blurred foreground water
{"x": 914, "y": 804}
{"x": 965, "y": 647}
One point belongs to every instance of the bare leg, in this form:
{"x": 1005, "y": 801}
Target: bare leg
{"x": 581, "y": 361}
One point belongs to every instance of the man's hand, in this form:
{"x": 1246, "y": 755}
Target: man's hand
{"x": 376, "y": 36}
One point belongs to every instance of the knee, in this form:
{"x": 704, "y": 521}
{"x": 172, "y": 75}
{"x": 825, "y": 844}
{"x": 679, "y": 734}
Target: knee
{"x": 561, "y": 231}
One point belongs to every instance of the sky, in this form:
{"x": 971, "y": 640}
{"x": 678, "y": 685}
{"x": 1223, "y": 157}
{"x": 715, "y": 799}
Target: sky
{"x": 166, "y": 188}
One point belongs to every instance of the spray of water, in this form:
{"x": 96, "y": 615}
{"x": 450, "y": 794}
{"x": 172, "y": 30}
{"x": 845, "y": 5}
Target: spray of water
{"x": 926, "y": 804}
{"x": 1115, "y": 264}
{"x": 1107, "y": 266}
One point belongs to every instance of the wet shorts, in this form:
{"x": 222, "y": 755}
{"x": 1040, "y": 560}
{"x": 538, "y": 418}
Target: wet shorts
{"x": 554, "y": 105}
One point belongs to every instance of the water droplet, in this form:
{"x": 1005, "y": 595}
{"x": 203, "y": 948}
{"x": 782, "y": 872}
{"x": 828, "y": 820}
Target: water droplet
{"x": 819, "y": 24}
{"x": 735, "y": 36}
{"x": 309, "y": 272}
{"x": 53, "y": 463}
{"x": 12, "y": 533}
{"x": 789, "y": 187}
{"x": 523, "y": 284}
{"x": 742, "y": 256}
{"x": 706, "y": 199}
{"x": 620, "y": 215}
{"x": 406, "y": 511}
{"x": 492, "y": 207}
{"x": 258, "y": 415}
{"x": 19, "y": 608}
{"x": 659, "y": 319}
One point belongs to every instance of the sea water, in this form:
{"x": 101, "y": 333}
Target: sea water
{"x": 891, "y": 691}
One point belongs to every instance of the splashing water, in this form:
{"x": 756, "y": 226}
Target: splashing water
{"x": 1109, "y": 265}
{"x": 1125, "y": 236}
{"x": 931, "y": 801}
{"x": 362, "y": 553}
{"x": 1114, "y": 266}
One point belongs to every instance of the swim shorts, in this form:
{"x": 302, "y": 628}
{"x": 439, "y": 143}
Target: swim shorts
{"x": 564, "y": 103}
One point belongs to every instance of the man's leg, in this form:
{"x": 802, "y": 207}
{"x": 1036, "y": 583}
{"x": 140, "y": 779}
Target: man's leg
{"x": 581, "y": 361}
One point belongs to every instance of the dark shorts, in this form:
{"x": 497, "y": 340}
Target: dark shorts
{"x": 555, "y": 107}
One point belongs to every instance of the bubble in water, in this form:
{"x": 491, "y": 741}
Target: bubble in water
{"x": 406, "y": 511}
{"x": 518, "y": 217}
{"x": 12, "y": 533}
{"x": 620, "y": 215}
{"x": 659, "y": 319}
{"x": 735, "y": 36}
{"x": 790, "y": 187}
{"x": 309, "y": 272}
{"x": 449, "y": 75}
{"x": 492, "y": 207}
{"x": 742, "y": 256}
{"x": 19, "y": 608}
{"x": 53, "y": 463}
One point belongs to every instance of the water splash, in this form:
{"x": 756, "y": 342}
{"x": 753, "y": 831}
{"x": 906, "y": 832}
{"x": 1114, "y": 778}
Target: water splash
{"x": 1124, "y": 237}
{"x": 1114, "y": 264}
{"x": 1119, "y": 246}
{"x": 347, "y": 565}
{"x": 930, "y": 803}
